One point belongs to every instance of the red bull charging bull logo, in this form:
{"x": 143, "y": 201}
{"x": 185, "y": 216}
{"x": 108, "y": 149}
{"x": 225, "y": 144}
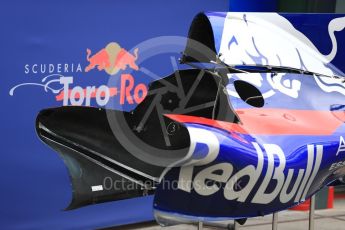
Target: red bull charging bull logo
{"x": 57, "y": 79}
{"x": 112, "y": 58}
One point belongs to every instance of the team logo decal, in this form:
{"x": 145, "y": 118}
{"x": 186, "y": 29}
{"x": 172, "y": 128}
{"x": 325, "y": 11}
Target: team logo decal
{"x": 59, "y": 78}
{"x": 282, "y": 177}
{"x": 341, "y": 147}
{"x": 245, "y": 41}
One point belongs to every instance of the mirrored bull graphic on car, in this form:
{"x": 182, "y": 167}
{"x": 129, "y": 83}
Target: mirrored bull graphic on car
{"x": 250, "y": 122}
{"x": 245, "y": 41}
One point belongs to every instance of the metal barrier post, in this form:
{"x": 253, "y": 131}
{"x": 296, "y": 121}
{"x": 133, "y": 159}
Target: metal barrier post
{"x": 236, "y": 225}
{"x": 311, "y": 213}
{"x": 200, "y": 225}
{"x": 275, "y": 221}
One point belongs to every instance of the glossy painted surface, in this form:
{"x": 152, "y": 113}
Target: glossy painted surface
{"x": 281, "y": 39}
{"x": 286, "y": 153}
{"x": 279, "y": 154}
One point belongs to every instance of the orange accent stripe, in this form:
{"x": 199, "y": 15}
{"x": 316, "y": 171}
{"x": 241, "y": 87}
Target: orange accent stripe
{"x": 274, "y": 122}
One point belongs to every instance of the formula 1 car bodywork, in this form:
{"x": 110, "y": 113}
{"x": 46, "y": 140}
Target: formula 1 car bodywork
{"x": 271, "y": 133}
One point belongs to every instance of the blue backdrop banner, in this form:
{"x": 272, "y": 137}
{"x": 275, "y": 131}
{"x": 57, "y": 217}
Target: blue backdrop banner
{"x": 41, "y": 40}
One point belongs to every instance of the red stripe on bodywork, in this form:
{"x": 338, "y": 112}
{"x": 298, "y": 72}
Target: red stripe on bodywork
{"x": 274, "y": 122}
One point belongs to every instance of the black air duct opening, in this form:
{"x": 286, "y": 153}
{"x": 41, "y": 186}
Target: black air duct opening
{"x": 201, "y": 44}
